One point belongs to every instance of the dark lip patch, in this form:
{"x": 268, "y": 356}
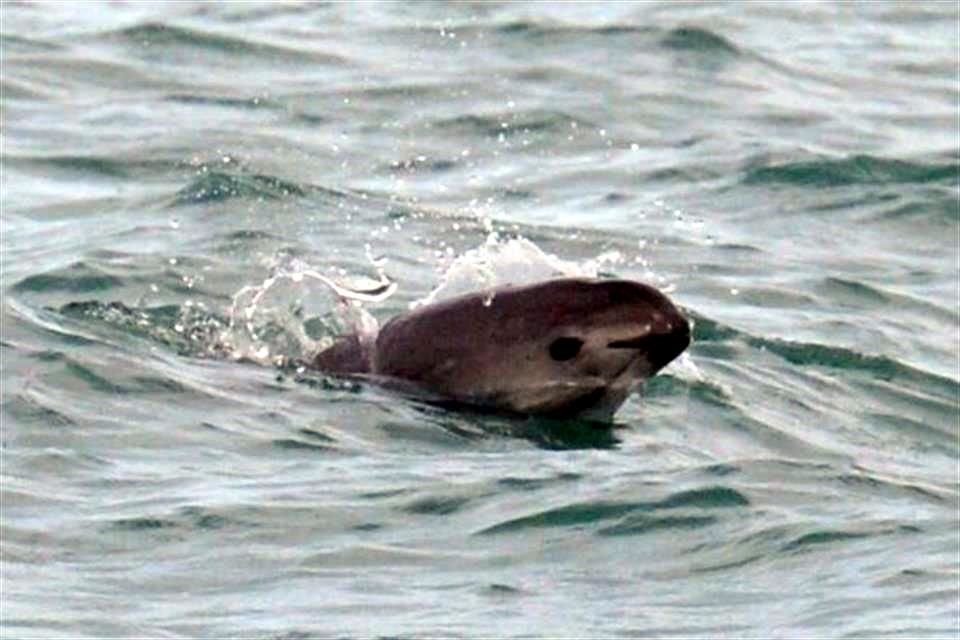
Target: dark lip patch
{"x": 658, "y": 348}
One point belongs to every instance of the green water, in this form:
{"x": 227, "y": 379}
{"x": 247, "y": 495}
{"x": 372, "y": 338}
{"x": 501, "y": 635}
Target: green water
{"x": 790, "y": 172}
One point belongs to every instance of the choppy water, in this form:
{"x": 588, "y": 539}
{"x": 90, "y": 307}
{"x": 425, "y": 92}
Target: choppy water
{"x": 788, "y": 170}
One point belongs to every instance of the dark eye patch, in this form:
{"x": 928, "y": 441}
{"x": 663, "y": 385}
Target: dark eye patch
{"x": 565, "y": 348}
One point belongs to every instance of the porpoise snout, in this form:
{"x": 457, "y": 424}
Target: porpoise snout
{"x": 659, "y": 345}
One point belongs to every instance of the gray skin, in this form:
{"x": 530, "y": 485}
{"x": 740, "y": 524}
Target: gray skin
{"x": 569, "y": 347}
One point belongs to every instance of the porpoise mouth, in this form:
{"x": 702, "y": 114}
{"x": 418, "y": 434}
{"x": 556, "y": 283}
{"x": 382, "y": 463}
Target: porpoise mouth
{"x": 658, "y": 348}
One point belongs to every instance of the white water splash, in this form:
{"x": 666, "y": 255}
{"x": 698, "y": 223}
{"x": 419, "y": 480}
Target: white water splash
{"x": 296, "y": 312}
{"x": 499, "y": 262}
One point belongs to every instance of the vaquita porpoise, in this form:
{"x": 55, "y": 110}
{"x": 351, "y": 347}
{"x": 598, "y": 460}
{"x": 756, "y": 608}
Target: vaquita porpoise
{"x": 568, "y": 347}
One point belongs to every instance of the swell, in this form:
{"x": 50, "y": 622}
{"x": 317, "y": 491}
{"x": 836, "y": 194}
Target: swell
{"x": 213, "y": 186}
{"x": 700, "y": 40}
{"x": 852, "y": 170}
{"x": 854, "y": 293}
{"x": 118, "y": 275}
{"x": 533, "y": 29}
{"x": 509, "y": 124}
{"x": 208, "y": 100}
{"x": 915, "y": 407}
{"x": 156, "y": 35}
{"x": 89, "y": 166}
{"x": 216, "y": 186}
{"x": 98, "y": 377}
{"x": 12, "y": 44}
{"x": 189, "y": 331}
{"x": 79, "y": 277}
{"x": 27, "y": 408}
{"x": 693, "y": 38}
{"x": 771, "y": 542}
{"x": 936, "y": 203}
{"x": 633, "y": 517}
{"x": 541, "y": 28}
{"x": 812, "y": 354}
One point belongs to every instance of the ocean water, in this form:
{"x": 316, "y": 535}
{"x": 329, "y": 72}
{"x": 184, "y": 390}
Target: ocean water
{"x": 175, "y": 174}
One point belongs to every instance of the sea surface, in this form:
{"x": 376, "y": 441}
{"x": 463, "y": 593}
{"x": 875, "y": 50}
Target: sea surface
{"x": 179, "y": 177}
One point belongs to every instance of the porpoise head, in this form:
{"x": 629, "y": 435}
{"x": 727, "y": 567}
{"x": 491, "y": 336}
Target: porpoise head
{"x": 565, "y": 347}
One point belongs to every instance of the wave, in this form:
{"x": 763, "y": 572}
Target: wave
{"x": 858, "y": 294}
{"x": 530, "y": 27}
{"x": 706, "y": 330}
{"x": 700, "y": 40}
{"x": 188, "y": 331}
{"x": 858, "y": 169}
{"x": 152, "y": 35}
{"x": 92, "y": 166}
{"x": 585, "y": 513}
{"x": 12, "y": 45}
{"x": 510, "y": 124}
{"x": 252, "y": 102}
{"x": 681, "y": 38}
{"x": 810, "y": 539}
{"x": 27, "y": 409}
{"x": 937, "y": 204}
{"x": 216, "y": 186}
{"x": 880, "y": 367}
{"x": 780, "y": 540}
{"x": 78, "y": 278}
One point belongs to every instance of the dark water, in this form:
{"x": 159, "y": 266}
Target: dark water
{"x": 788, "y": 170}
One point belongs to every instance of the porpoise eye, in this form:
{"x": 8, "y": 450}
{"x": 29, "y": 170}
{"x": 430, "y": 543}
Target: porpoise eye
{"x": 565, "y": 348}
